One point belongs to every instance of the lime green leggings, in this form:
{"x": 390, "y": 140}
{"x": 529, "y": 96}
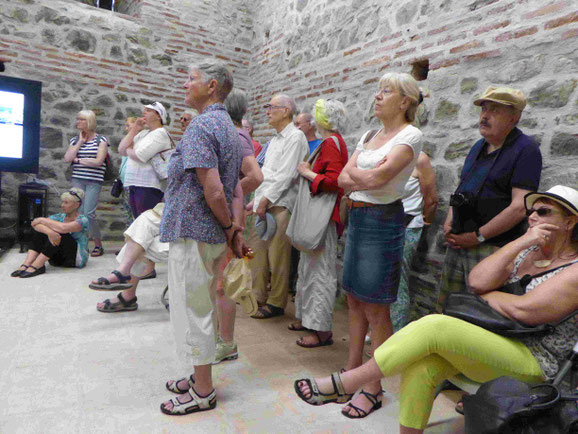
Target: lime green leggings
{"x": 437, "y": 347}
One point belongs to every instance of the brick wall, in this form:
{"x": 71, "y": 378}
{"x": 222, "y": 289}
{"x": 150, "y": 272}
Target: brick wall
{"x": 111, "y": 63}
{"x": 339, "y": 49}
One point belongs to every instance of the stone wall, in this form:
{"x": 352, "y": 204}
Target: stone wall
{"x": 112, "y": 63}
{"x": 339, "y": 49}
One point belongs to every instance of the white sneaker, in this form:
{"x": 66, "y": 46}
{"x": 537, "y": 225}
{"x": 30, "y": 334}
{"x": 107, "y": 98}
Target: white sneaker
{"x": 225, "y": 351}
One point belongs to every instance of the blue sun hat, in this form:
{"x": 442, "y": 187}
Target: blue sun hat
{"x": 266, "y": 227}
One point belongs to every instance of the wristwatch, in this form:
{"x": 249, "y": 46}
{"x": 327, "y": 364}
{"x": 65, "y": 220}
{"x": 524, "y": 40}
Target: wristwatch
{"x": 479, "y": 236}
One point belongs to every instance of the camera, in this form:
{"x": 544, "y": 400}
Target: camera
{"x": 464, "y": 212}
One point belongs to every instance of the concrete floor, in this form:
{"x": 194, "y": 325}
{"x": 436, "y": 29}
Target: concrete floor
{"x": 67, "y": 368}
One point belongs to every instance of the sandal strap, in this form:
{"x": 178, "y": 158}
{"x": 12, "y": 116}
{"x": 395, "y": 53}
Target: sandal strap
{"x": 121, "y": 277}
{"x": 32, "y": 266}
{"x": 337, "y": 383}
{"x": 361, "y": 413}
{"x": 370, "y": 396}
{"x": 103, "y": 281}
{"x": 124, "y": 302}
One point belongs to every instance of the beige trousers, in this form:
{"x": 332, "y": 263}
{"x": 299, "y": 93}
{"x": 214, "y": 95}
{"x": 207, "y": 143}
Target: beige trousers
{"x": 272, "y": 261}
{"x": 193, "y": 272}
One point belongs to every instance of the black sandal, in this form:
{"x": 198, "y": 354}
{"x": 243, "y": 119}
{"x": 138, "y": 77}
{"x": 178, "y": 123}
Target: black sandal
{"x": 103, "y": 284}
{"x": 36, "y": 272}
{"x": 360, "y": 412}
{"x": 97, "y": 251}
{"x": 17, "y": 273}
{"x": 268, "y": 311}
{"x": 120, "y": 306}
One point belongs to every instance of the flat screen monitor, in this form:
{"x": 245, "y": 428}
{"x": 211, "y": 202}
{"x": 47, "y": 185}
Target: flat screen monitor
{"x": 19, "y": 124}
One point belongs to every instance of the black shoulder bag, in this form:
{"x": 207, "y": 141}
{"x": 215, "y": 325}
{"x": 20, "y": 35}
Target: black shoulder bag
{"x": 475, "y": 310}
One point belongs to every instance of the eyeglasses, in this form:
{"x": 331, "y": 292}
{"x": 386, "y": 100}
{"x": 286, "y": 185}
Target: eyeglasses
{"x": 384, "y": 91}
{"x": 542, "y": 212}
{"x": 271, "y": 107}
{"x": 75, "y": 194}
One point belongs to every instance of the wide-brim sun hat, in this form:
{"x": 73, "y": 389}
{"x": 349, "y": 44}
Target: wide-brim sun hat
{"x": 266, "y": 227}
{"x": 564, "y": 196}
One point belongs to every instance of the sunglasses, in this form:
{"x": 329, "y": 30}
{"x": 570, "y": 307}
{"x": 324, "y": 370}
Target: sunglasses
{"x": 75, "y": 195}
{"x": 542, "y": 212}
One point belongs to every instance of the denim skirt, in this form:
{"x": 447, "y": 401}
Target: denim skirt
{"x": 374, "y": 253}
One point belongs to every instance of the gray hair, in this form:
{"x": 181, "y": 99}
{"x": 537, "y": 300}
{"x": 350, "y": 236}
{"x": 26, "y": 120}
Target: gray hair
{"x": 90, "y": 117}
{"x": 308, "y": 117}
{"x": 74, "y": 194}
{"x": 288, "y": 102}
{"x": 336, "y": 115}
{"x": 236, "y": 104}
{"x": 406, "y": 85}
{"x": 216, "y": 71}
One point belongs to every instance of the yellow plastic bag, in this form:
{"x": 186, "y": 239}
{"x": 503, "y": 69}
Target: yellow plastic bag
{"x": 238, "y": 285}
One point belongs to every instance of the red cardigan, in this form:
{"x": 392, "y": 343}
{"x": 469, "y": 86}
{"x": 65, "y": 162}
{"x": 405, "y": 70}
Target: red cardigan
{"x": 328, "y": 165}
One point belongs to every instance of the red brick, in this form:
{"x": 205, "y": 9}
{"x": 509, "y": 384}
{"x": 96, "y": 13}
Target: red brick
{"x": 451, "y": 38}
{"x": 325, "y": 92}
{"x": 436, "y": 31}
{"x": 392, "y": 36}
{"x": 482, "y": 55}
{"x": 347, "y": 53}
{"x": 570, "y": 34}
{"x": 491, "y": 27}
{"x": 371, "y": 80}
{"x": 567, "y": 19}
{"x": 111, "y": 86}
{"x": 465, "y": 47}
{"x": 525, "y": 32}
{"x": 506, "y": 36}
{"x": 405, "y": 52}
{"x": 545, "y": 10}
{"x": 444, "y": 64}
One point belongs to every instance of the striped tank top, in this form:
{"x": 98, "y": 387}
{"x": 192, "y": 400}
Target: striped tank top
{"x": 89, "y": 150}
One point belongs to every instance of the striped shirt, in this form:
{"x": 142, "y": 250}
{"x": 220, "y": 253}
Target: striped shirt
{"x": 89, "y": 150}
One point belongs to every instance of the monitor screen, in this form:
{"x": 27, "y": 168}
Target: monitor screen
{"x": 19, "y": 124}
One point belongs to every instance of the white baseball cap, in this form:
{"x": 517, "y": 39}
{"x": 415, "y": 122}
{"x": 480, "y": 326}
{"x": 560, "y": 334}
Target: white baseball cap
{"x": 160, "y": 109}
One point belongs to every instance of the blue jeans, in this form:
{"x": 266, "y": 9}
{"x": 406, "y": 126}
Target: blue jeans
{"x": 88, "y": 208}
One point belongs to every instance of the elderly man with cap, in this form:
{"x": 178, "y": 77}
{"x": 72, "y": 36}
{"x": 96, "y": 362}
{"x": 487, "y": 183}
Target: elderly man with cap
{"x": 487, "y": 209}
{"x": 276, "y": 196}
{"x": 144, "y": 140}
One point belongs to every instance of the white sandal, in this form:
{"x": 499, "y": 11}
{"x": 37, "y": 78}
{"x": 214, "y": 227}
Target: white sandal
{"x": 172, "y": 385}
{"x": 196, "y": 404}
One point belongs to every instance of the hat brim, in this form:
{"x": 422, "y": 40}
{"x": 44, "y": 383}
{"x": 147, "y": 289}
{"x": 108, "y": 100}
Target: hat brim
{"x": 531, "y": 198}
{"x": 479, "y": 102}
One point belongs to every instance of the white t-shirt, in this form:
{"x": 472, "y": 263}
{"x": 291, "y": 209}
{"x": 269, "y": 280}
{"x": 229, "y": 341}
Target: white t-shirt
{"x": 146, "y": 145}
{"x": 368, "y": 159}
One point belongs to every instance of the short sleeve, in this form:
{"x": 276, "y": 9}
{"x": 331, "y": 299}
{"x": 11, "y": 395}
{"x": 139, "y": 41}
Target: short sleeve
{"x": 56, "y": 217}
{"x": 154, "y": 142}
{"x": 411, "y": 138}
{"x": 83, "y": 220}
{"x": 197, "y": 147}
{"x": 528, "y": 168}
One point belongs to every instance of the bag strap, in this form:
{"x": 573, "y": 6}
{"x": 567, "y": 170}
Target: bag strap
{"x": 173, "y": 146}
{"x": 526, "y": 278}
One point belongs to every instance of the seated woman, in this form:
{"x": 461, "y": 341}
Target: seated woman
{"x": 437, "y": 347}
{"x": 61, "y": 239}
{"x": 142, "y": 249}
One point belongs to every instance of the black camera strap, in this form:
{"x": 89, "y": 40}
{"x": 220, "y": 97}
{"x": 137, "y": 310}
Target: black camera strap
{"x": 467, "y": 178}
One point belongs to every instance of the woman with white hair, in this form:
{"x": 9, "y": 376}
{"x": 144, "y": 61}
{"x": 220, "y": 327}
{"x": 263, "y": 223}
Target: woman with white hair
{"x": 317, "y": 281}
{"x": 375, "y": 178}
{"x": 87, "y": 154}
{"x": 61, "y": 239}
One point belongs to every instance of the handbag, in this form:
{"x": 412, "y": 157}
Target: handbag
{"x": 160, "y": 161}
{"x": 474, "y": 309}
{"x": 117, "y": 188}
{"x": 311, "y": 213}
{"x": 506, "y": 405}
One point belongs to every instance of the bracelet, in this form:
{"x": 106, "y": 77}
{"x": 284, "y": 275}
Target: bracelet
{"x": 228, "y": 227}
